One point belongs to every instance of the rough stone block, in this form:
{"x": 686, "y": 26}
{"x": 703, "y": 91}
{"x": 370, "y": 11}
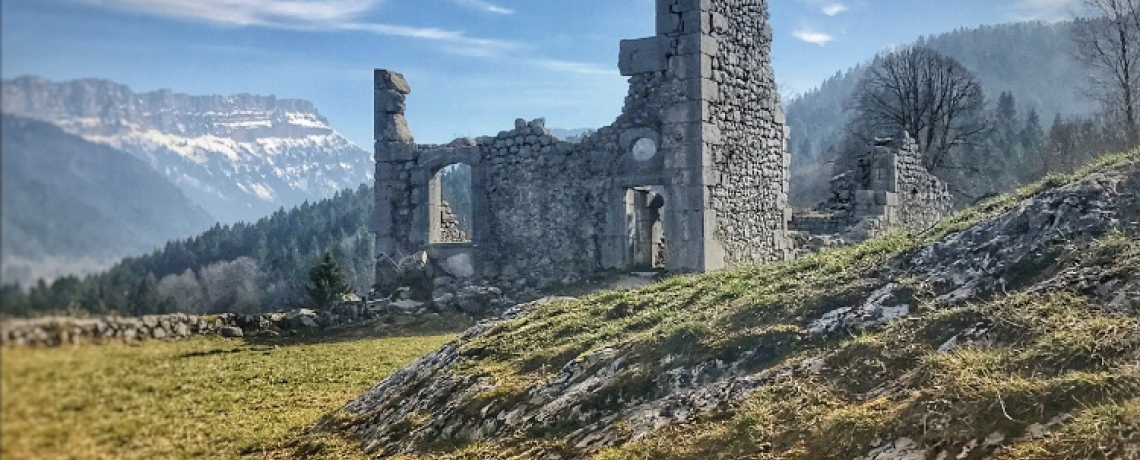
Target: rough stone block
{"x": 692, "y": 111}
{"x": 719, "y": 23}
{"x": 668, "y": 22}
{"x": 389, "y": 80}
{"x": 681, "y": 6}
{"x": 885, "y": 198}
{"x": 643, "y": 56}
{"x": 711, "y": 134}
{"x": 393, "y": 128}
{"x": 696, "y": 22}
{"x": 698, "y": 44}
{"x": 394, "y": 151}
{"x": 691, "y": 67}
{"x": 390, "y": 102}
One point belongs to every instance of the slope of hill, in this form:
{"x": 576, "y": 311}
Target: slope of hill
{"x": 71, "y": 206}
{"x": 1030, "y": 60}
{"x": 1009, "y": 331}
{"x": 239, "y": 157}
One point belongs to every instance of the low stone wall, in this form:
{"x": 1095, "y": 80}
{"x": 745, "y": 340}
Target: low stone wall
{"x": 453, "y": 301}
{"x": 55, "y": 331}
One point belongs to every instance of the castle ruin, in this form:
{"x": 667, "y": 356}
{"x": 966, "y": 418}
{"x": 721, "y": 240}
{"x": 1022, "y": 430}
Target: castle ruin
{"x": 693, "y": 175}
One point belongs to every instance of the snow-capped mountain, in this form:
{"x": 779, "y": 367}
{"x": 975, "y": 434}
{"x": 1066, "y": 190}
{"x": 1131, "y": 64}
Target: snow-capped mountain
{"x": 239, "y": 157}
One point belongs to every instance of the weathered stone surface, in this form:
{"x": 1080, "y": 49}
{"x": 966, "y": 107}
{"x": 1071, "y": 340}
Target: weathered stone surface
{"x": 389, "y": 80}
{"x": 643, "y": 55}
{"x": 889, "y": 189}
{"x": 968, "y": 265}
{"x": 546, "y": 211}
{"x": 232, "y": 332}
{"x": 393, "y": 128}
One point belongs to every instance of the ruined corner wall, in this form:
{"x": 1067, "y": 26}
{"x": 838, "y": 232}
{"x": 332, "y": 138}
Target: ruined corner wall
{"x": 888, "y": 189}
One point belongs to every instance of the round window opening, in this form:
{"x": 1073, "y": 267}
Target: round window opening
{"x": 644, "y": 149}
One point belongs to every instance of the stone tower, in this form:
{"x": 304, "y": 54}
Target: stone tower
{"x": 723, "y": 132}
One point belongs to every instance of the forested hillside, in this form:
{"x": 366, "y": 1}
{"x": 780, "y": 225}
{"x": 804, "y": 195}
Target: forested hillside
{"x": 242, "y": 267}
{"x": 1033, "y": 63}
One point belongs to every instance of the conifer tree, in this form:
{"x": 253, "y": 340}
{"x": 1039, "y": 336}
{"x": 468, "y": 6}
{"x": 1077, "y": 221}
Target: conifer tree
{"x": 327, "y": 282}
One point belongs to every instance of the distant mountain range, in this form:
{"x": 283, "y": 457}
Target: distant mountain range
{"x": 94, "y": 172}
{"x": 1032, "y": 60}
{"x": 73, "y": 206}
{"x": 238, "y": 157}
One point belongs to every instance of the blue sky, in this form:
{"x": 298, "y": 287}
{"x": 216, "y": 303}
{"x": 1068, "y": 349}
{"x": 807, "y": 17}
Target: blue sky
{"x": 474, "y": 65}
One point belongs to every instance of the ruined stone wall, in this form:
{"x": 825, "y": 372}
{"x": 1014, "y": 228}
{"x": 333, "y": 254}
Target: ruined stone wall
{"x": 923, "y": 199}
{"x": 703, "y": 114}
{"x": 888, "y": 189}
{"x": 748, "y": 174}
{"x": 542, "y": 219}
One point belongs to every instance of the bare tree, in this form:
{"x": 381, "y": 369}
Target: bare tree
{"x": 929, "y": 95}
{"x": 1108, "y": 39}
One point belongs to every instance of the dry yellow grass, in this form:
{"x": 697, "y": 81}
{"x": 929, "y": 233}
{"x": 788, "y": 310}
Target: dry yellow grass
{"x": 205, "y": 398}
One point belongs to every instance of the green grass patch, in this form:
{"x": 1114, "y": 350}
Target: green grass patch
{"x": 205, "y": 398}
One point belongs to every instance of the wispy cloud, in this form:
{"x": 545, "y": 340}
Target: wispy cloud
{"x": 484, "y": 6}
{"x": 580, "y": 68}
{"x": 1043, "y": 10}
{"x": 455, "y": 42}
{"x": 833, "y": 9}
{"x": 806, "y": 34}
{"x": 310, "y": 15}
{"x": 247, "y": 12}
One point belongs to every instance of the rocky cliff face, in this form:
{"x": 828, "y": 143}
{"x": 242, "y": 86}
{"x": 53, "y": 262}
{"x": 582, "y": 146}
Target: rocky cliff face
{"x": 1009, "y": 331}
{"x": 240, "y": 157}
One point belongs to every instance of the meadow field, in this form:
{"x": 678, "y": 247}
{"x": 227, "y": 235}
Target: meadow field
{"x": 204, "y": 398}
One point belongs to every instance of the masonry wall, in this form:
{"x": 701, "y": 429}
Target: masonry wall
{"x": 551, "y": 211}
{"x": 888, "y": 189}
{"x": 749, "y": 160}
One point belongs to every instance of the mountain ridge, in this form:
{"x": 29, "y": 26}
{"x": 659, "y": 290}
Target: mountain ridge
{"x": 240, "y": 156}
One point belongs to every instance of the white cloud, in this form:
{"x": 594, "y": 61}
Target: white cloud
{"x": 484, "y": 6}
{"x": 808, "y": 35}
{"x": 310, "y": 15}
{"x": 832, "y": 9}
{"x": 247, "y": 12}
{"x": 1043, "y": 10}
{"x": 454, "y": 42}
{"x": 581, "y": 68}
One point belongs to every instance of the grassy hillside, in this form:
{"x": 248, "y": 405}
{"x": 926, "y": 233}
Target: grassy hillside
{"x": 201, "y": 399}
{"x": 1042, "y": 366}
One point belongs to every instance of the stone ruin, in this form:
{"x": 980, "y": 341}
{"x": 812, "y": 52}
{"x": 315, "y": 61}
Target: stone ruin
{"x": 692, "y": 176}
{"x": 887, "y": 189}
